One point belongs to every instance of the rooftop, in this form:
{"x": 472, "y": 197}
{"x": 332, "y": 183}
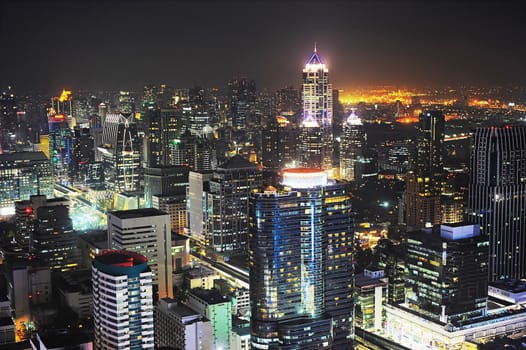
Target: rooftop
{"x": 12, "y": 157}
{"x": 137, "y": 213}
{"x": 123, "y": 258}
{"x": 210, "y": 296}
{"x": 237, "y": 162}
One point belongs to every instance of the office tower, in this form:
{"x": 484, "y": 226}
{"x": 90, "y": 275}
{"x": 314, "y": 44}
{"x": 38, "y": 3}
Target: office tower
{"x": 242, "y": 99}
{"x": 195, "y": 151}
{"x": 497, "y": 197}
{"x": 287, "y": 101}
{"x": 54, "y": 240}
{"x": 121, "y": 153}
{"x": 60, "y": 147}
{"x": 83, "y": 153}
{"x": 8, "y": 119}
{"x": 218, "y": 309}
{"x": 351, "y": 148}
{"x": 301, "y": 263}
{"x": 279, "y": 143}
{"x": 198, "y": 185}
{"x": 164, "y": 181}
{"x": 430, "y": 143}
{"x": 26, "y": 216}
{"x": 447, "y": 272}
{"x": 370, "y": 295}
{"x": 423, "y": 184}
{"x": 317, "y": 114}
{"x": 162, "y": 128}
{"x": 180, "y": 327}
{"x": 23, "y": 174}
{"x": 122, "y": 301}
{"x": 147, "y": 232}
{"x": 126, "y": 103}
{"x": 230, "y": 187}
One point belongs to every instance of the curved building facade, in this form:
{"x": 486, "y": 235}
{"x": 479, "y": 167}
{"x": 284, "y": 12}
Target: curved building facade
{"x": 122, "y": 301}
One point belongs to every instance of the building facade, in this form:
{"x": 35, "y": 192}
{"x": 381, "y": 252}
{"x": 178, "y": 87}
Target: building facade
{"x": 497, "y": 197}
{"x": 122, "y": 301}
{"x": 301, "y": 267}
{"x": 147, "y": 232}
{"x": 317, "y": 108}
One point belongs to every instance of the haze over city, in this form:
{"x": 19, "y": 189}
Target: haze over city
{"x": 51, "y": 45}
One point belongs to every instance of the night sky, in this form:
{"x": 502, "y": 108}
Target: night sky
{"x": 51, "y": 45}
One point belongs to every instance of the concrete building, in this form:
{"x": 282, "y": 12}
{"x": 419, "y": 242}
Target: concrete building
{"x": 216, "y": 308}
{"x": 122, "y": 301}
{"x": 147, "y": 232}
{"x": 180, "y": 327}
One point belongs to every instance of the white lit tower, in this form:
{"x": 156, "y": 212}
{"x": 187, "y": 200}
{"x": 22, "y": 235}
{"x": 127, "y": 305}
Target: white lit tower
{"x": 316, "y": 146}
{"x": 351, "y": 147}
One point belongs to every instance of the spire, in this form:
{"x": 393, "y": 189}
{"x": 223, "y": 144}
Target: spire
{"x": 314, "y": 58}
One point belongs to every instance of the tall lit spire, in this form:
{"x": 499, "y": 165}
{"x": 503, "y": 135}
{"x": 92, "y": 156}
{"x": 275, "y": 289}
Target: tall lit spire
{"x": 315, "y": 50}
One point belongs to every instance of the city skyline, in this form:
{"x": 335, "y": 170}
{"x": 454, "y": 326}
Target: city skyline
{"x": 117, "y": 45}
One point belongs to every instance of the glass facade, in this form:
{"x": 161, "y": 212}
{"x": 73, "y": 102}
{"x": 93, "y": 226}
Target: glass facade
{"x": 301, "y": 270}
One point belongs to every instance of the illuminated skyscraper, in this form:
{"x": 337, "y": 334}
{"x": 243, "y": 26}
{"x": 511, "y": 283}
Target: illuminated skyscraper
{"x": 317, "y": 114}
{"x": 122, "y": 301}
{"x": 423, "y": 185}
{"x": 230, "y": 188}
{"x": 301, "y": 264}
{"x": 8, "y": 119}
{"x": 447, "y": 275}
{"x": 120, "y": 153}
{"x": 352, "y": 143}
{"x": 497, "y": 197}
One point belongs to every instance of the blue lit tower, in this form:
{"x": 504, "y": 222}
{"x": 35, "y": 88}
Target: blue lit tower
{"x": 497, "y": 197}
{"x": 316, "y": 147}
{"x": 122, "y": 301}
{"x": 300, "y": 258}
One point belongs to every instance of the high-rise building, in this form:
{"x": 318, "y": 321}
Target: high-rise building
{"x": 121, "y": 153}
{"x": 447, "y": 272}
{"x": 301, "y": 264}
{"x": 8, "y": 118}
{"x": 60, "y": 146}
{"x": 83, "y": 153}
{"x": 497, "y": 197}
{"x": 23, "y": 174}
{"x": 317, "y": 114}
{"x": 147, "y": 232}
{"x": 242, "y": 99}
{"x": 218, "y": 309}
{"x": 54, "y": 240}
{"x": 424, "y": 183}
{"x": 161, "y": 130}
{"x": 230, "y": 188}
{"x": 351, "y": 148}
{"x": 280, "y": 144}
{"x": 122, "y": 301}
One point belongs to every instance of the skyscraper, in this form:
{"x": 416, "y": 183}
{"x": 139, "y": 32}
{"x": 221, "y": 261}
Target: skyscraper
{"x": 447, "y": 274}
{"x": 301, "y": 264}
{"x": 147, "y": 232}
{"x": 23, "y": 174}
{"x": 352, "y": 143}
{"x": 121, "y": 153}
{"x": 497, "y": 197}
{"x": 122, "y": 301}
{"x": 423, "y": 184}
{"x": 242, "y": 99}
{"x": 317, "y": 113}
{"x": 230, "y": 188}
